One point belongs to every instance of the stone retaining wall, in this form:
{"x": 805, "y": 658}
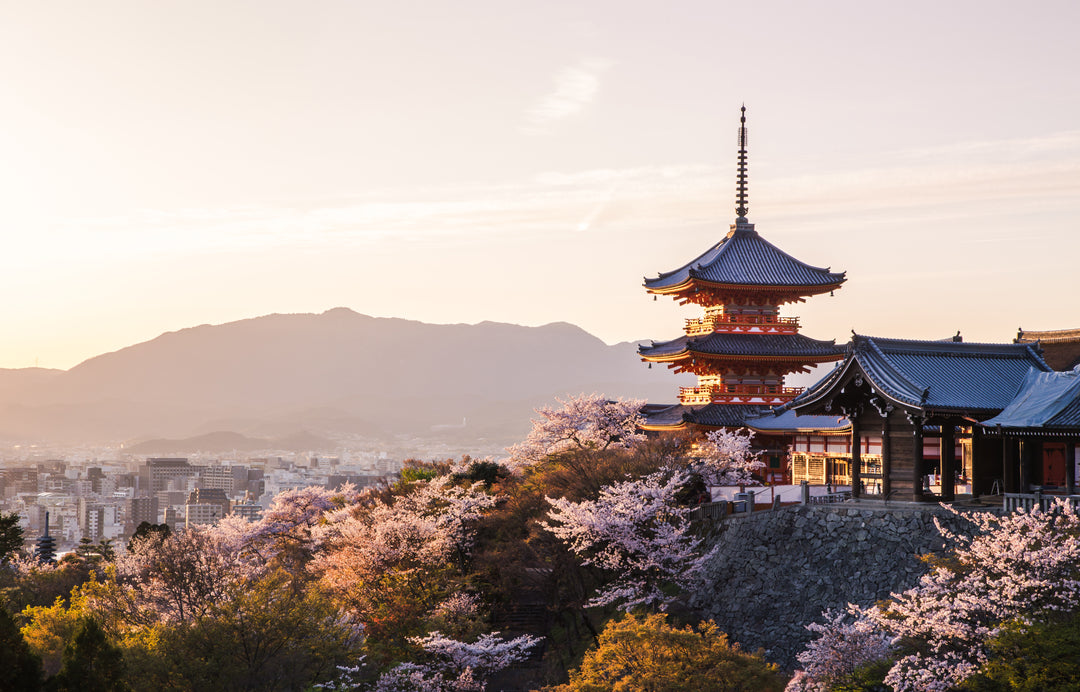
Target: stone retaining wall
{"x": 776, "y": 571}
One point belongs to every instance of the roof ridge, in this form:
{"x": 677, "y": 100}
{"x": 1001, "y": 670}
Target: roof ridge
{"x": 895, "y": 370}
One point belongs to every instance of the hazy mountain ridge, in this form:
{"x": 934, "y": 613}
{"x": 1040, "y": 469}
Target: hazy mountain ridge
{"x": 335, "y": 373}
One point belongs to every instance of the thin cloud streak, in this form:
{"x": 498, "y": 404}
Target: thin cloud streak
{"x": 575, "y": 88}
{"x": 647, "y": 198}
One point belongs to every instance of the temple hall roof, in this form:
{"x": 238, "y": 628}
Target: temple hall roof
{"x": 745, "y": 258}
{"x": 769, "y": 346}
{"x": 932, "y": 375}
{"x": 1046, "y": 400}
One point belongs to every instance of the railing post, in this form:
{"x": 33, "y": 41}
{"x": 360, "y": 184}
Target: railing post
{"x": 1037, "y": 503}
{"x": 805, "y": 492}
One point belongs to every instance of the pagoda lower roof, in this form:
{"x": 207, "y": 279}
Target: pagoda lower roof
{"x": 679, "y": 416}
{"x": 744, "y": 258}
{"x": 945, "y": 376}
{"x": 784, "y": 420}
{"x": 759, "y": 346}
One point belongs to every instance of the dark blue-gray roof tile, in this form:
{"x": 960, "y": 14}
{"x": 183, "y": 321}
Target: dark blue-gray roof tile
{"x": 757, "y": 345}
{"x": 941, "y": 375}
{"x": 745, "y": 258}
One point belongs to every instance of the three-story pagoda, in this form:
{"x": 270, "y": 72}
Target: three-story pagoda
{"x": 741, "y": 349}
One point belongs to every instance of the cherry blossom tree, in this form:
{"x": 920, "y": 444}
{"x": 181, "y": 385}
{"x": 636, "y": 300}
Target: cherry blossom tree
{"x": 1014, "y": 571}
{"x": 846, "y": 642}
{"x": 727, "y": 459}
{"x": 636, "y": 531}
{"x": 587, "y": 422}
{"x": 392, "y": 563}
{"x": 1018, "y": 568}
{"x": 489, "y": 654}
{"x": 285, "y": 530}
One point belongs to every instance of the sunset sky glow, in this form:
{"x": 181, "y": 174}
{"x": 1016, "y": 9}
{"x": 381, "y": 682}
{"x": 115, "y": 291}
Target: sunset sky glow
{"x": 169, "y": 164}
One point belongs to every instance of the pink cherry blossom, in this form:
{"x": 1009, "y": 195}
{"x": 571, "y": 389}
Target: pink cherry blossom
{"x": 585, "y": 422}
{"x": 636, "y": 531}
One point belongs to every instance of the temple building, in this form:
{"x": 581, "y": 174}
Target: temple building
{"x": 741, "y": 348}
{"x": 935, "y": 409}
{"x": 1060, "y": 347}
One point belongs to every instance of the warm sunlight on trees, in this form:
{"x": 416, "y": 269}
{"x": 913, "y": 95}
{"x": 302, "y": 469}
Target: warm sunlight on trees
{"x": 587, "y": 422}
{"x": 645, "y": 653}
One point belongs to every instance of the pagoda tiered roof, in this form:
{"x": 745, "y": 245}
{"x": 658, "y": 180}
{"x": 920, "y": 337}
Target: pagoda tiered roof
{"x": 931, "y": 376}
{"x": 676, "y": 416}
{"x": 759, "y": 347}
{"x": 744, "y": 261}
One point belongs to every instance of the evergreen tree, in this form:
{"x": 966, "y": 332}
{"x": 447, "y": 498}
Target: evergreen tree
{"x": 90, "y": 662}
{"x": 11, "y": 535}
{"x": 20, "y": 669}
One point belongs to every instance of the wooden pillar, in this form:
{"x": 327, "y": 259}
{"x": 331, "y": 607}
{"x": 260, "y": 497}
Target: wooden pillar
{"x": 1070, "y": 467}
{"x": 919, "y": 467}
{"x": 948, "y": 462}
{"x": 886, "y": 458}
{"x": 856, "y": 459}
{"x": 1011, "y": 465}
{"x": 1025, "y": 465}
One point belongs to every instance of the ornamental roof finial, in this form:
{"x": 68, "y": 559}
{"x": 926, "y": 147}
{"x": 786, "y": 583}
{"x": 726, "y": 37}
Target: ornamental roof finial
{"x": 741, "y": 197}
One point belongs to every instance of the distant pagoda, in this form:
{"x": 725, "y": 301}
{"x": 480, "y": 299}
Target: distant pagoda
{"x": 741, "y": 349}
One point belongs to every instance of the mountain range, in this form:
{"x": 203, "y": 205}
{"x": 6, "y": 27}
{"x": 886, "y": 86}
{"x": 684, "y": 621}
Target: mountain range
{"x": 335, "y": 375}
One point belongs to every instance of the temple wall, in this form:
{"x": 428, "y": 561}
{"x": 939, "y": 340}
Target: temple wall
{"x": 776, "y": 571}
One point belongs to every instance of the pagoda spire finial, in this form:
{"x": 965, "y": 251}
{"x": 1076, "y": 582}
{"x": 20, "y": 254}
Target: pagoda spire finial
{"x": 741, "y": 197}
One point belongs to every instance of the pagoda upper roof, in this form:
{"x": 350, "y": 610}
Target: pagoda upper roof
{"x": 769, "y": 346}
{"x": 931, "y": 375}
{"x": 744, "y": 258}
{"x": 1049, "y": 400}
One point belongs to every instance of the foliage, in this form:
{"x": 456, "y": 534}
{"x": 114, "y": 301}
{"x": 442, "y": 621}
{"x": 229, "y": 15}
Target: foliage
{"x": 484, "y": 471}
{"x": 391, "y": 563}
{"x": 727, "y": 459}
{"x": 269, "y": 636}
{"x": 636, "y": 532}
{"x": 20, "y": 669}
{"x": 1042, "y": 657}
{"x": 587, "y": 422}
{"x": 146, "y": 530}
{"x": 90, "y": 663}
{"x": 49, "y": 629}
{"x": 11, "y": 536}
{"x": 646, "y": 653}
{"x": 31, "y": 582}
{"x": 91, "y": 553}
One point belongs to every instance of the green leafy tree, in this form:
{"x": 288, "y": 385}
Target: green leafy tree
{"x": 645, "y": 653}
{"x": 20, "y": 669}
{"x": 11, "y": 535}
{"x": 146, "y": 530}
{"x": 1043, "y": 657}
{"x": 91, "y": 663}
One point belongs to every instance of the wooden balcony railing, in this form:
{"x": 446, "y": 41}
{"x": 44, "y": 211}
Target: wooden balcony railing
{"x": 769, "y": 324}
{"x": 733, "y": 393}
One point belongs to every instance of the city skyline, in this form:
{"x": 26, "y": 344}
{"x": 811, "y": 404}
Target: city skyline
{"x": 169, "y": 165}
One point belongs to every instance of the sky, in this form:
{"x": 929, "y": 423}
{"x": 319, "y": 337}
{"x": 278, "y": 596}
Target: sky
{"x": 169, "y": 164}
